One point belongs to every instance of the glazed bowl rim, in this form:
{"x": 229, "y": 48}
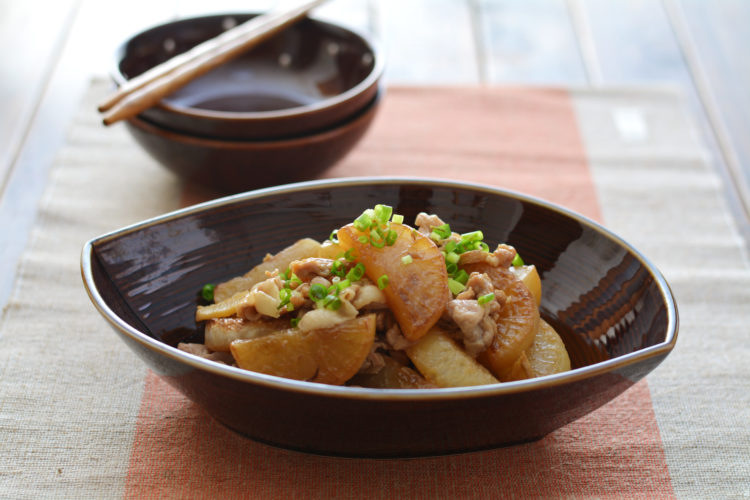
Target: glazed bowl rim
{"x": 240, "y": 116}
{"x": 442, "y": 394}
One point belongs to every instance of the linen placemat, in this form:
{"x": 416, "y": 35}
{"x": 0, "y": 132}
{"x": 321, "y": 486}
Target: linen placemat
{"x": 81, "y": 417}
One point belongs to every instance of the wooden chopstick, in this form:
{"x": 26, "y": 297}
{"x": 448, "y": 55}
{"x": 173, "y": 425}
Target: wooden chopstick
{"x": 150, "y": 87}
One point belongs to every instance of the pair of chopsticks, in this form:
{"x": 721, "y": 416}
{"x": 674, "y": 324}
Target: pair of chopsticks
{"x": 148, "y": 88}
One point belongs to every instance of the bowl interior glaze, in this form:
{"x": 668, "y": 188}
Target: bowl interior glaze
{"x": 308, "y": 76}
{"x": 611, "y": 306}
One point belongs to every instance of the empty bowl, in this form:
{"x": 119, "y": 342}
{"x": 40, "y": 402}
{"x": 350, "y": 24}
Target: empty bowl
{"x": 304, "y": 79}
{"x": 611, "y": 306}
{"x": 234, "y": 166}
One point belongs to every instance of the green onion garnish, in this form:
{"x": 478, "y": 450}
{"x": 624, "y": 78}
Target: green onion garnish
{"x": 341, "y": 285}
{"x": 332, "y": 302}
{"x": 318, "y": 291}
{"x": 517, "y": 261}
{"x": 461, "y": 276}
{"x": 383, "y": 281}
{"x": 364, "y": 221}
{"x": 285, "y": 295}
{"x": 333, "y": 236}
{"x": 472, "y": 236}
{"x": 397, "y": 218}
{"x": 377, "y": 243}
{"x": 294, "y": 322}
{"x": 406, "y": 259}
{"x": 452, "y": 257}
{"x": 349, "y": 255}
{"x": 356, "y": 273}
{"x": 337, "y": 268}
{"x": 442, "y": 231}
{"x": 455, "y": 287}
{"x": 383, "y": 213}
{"x": 376, "y": 238}
{"x": 363, "y": 239}
{"x": 207, "y": 292}
{"x": 390, "y": 237}
{"x": 451, "y": 268}
{"x": 488, "y": 297}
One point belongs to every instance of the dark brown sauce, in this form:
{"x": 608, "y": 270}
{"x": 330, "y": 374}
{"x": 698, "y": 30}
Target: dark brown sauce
{"x": 246, "y": 103}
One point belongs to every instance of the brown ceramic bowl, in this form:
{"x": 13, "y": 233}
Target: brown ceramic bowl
{"x": 235, "y": 166}
{"x": 306, "y": 78}
{"x": 613, "y": 309}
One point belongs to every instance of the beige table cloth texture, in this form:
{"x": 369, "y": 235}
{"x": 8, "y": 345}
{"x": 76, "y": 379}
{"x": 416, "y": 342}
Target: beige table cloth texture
{"x": 81, "y": 417}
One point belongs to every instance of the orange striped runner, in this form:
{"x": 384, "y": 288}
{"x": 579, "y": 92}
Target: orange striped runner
{"x": 522, "y": 139}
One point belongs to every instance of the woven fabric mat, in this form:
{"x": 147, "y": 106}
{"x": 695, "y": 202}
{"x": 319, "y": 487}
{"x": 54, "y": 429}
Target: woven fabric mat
{"x": 81, "y": 417}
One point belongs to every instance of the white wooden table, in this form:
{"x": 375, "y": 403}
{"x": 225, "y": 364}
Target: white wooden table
{"x": 52, "y": 49}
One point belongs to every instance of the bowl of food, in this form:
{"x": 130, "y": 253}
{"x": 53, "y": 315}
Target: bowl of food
{"x": 384, "y": 317}
{"x": 232, "y": 166}
{"x": 309, "y": 77}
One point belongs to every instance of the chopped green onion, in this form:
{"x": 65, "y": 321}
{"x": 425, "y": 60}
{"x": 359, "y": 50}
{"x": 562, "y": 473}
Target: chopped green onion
{"x": 488, "y": 297}
{"x": 318, "y": 291}
{"x": 365, "y": 220}
{"x": 406, "y": 259}
{"x": 341, "y": 285}
{"x": 356, "y": 273}
{"x": 377, "y": 243}
{"x": 398, "y": 219}
{"x": 363, "y": 239}
{"x": 337, "y": 268}
{"x": 349, "y": 255}
{"x": 517, "y": 261}
{"x": 294, "y": 322}
{"x": 390, "y": 237}
{"x": 332, "y": 302}
{"x": 455, "y": 287}
{"x": 207, "y": 292}
{"x": 472, "y": 236}
{"x": 484, "y": 246}
{"x": 383, "y": 213}
{"x": 450, "y": 246}
{"x": 442, "y": 231}
{"x": 451, "y": 268}
{"x": 376, "y": 239}
{"x": 286, "y": 274}
{"x": 333, "y": 236}
{"x": 452, "y": 257}
{"x": 285, "y": 295}
{"x": 383, "y": 281}
{"x": 461, "y": 276}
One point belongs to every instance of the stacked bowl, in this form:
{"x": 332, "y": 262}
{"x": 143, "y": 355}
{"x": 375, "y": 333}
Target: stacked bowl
{"x": 284, "y": 111}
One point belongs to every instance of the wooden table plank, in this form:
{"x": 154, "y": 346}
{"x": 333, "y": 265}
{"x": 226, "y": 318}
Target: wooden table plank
{"x": 30, "y": 46}
{"x": 86, "y": 50}
{"x": 530, "y": 42}
{"x": 427, "y": 41}
{"x": 635, "y": 43}
{"x": 715, "y": 37}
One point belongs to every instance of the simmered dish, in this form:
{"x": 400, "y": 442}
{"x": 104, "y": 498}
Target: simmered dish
{"x": 386, "y": 305}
